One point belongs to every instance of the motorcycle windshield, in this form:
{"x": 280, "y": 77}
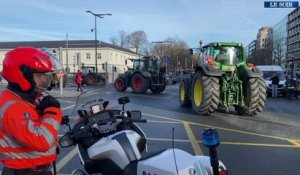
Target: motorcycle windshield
{"x": 90, "y": 101}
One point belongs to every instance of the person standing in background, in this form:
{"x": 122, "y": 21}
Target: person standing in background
{"x": 78, "y": 80}
{"x": 275, "y": 83}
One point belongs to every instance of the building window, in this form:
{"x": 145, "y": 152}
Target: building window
{"x": 98, "y": 55}
{"x": 88, "y": 56}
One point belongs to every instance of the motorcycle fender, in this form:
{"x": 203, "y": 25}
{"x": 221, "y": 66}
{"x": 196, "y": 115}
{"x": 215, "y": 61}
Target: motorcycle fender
{"x": 164, "y": 163}
{"x": 120, "y": 147}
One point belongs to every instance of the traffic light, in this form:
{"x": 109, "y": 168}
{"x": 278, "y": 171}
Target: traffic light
{"x": 103, "y": 66}
{"x": 191, "y": 51}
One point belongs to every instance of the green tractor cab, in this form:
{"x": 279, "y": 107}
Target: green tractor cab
{"x": 145, "y": 74}
{"x": 224, "y": 79}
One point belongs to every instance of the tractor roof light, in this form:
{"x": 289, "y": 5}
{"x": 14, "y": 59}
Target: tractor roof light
{"x": 212, "y": 64}
{"x": 250, "y": 65}
{"x": 210, "y": 138}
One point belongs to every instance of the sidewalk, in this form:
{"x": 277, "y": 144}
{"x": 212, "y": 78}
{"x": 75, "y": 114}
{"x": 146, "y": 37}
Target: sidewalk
{"x": 70, "y": 91}
{"x": 67, "y": 92}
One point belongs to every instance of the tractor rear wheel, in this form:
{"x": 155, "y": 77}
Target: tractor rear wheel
{"x": 139, "y": 84}
{"x": 89, "y": 79}
{"x": 183, "y": 95}
{"x": 120, "y": 84}
{"x": 254, "y": 90}
{"x": 205, "y": 93}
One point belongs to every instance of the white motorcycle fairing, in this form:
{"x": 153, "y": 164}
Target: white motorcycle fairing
{"x": 120, "y": 147}
{"x": 187, "y": 164}
{"x": 111, "y": 154}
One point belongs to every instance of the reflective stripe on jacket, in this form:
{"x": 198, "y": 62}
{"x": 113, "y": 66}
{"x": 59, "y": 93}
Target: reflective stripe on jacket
{"x": 26, "y": 138}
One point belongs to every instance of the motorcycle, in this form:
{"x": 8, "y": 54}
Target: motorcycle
{"x": 110, "y": 142}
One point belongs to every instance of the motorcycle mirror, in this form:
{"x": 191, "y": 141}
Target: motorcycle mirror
{"x": 123, "y": 100}
{"x": 65, "y": 119}
{"x": 210, "y": 138}
{"x": 136, "y": 115}
{"x": 66, "y": 141}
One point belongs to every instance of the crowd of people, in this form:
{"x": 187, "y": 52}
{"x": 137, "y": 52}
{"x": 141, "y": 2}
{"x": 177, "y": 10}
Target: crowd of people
{"x": 290, "y": 86}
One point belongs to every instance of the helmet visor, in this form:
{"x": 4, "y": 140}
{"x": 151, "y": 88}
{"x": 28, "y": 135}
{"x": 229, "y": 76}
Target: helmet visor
{"x": 57, "y": 64}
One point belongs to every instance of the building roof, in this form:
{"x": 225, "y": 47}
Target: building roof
{"x": 63, "y": 44}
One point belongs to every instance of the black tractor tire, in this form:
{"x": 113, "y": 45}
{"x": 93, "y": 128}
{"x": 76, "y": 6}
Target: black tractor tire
{"x": 139, "y": 83}
{"x": 254, "y": 90}
{"x": 184, "y": 99}
{"x": 159, "y": 88}
{"x": 120, "y": 84}
{"x": 205, "y": 93}
{"x": 89, "y": 79}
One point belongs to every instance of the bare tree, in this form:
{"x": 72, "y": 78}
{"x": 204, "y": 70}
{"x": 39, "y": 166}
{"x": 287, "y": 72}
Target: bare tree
{"x": 121, "y": 40}
{"x": 137, "y": 39}
{"x": 114, "y": 40}
{"x": 175, "y": 50}
{"x": 124, "y": 39}
{"x": 278, "y": 54}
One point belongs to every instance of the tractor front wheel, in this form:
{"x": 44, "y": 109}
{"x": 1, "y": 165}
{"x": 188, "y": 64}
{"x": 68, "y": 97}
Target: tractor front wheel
{"x": 120, "y": 84}
{"x": 183, "y": 95}
{"x": 205, "y": 93}
{"x": 139, "y": 84}
{"x": 254, "y": 90}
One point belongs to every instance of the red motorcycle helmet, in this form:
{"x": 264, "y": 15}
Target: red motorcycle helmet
{"x": 20, "y": 63}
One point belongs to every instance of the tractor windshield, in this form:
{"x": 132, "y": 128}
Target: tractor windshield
{"x": 228, "y": 55}
{"x": 139, "y": 64}
{"x": 153, "y": 66}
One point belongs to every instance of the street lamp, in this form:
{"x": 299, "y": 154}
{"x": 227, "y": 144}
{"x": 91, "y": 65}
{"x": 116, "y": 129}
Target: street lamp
{"x": 95, "y": 30}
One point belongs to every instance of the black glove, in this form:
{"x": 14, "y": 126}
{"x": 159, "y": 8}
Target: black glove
{"x": 48, "y": 101}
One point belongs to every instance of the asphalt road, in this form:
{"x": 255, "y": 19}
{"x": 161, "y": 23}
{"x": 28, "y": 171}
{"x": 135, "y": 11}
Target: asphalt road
{"x": 265, "y": 144}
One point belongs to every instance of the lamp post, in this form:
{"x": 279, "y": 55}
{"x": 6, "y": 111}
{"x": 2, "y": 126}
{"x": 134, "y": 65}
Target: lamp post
{"x": 95, "y": 30}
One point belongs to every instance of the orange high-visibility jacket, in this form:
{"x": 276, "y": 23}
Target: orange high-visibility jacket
{"x": 26, "y": 138}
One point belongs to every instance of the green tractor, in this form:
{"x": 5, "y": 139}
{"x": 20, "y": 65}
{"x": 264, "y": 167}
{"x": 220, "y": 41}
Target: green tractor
{"x": 223, "y": 79}
{"x": 145, "y": 74}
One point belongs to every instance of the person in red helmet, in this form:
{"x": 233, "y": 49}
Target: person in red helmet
{"x": 29, "y": 122}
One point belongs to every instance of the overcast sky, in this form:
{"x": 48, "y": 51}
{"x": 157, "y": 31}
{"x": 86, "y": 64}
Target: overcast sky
{"x": 188, "y": 20}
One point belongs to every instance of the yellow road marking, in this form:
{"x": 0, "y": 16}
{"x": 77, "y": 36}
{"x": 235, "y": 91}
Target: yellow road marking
{"x": 66, "y": 159}
{"x": 260, "y": 144}
{"x": 168, "y": 140}
{"x": 295, "y": 141}
{"x": 230, "y": 143}
{"x": 160, "y": 121}
{"x": 192, "y": 139}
